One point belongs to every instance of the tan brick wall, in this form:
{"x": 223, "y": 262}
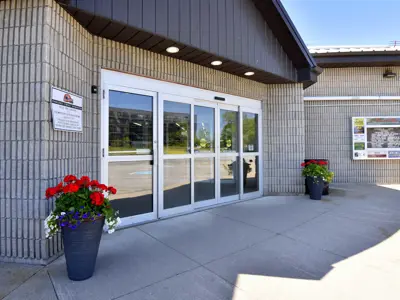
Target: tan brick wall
{"x": 328, "y": 123}
{"x": 283, "y": 139}
{"x": 23, "y": 127}
{"x": 355, "y": 82}
{"x": 58, "y": 51}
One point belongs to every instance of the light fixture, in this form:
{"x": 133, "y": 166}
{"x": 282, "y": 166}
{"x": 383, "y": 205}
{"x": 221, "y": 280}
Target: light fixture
{"x": 172, "y": 49}
{"x": 249, "y": 73}
{"x": 216, "y": 63}
{"x": 389, "y": 74}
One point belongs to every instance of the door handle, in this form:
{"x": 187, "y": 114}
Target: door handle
{"x": 151, "y": 162}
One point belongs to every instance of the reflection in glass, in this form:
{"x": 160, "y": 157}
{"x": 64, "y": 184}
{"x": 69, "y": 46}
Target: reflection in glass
{"x": 250, "y": 174}
{"x": 250, "y": 132}
{"x": 176, "y": 128}
{"x": 228, "y": 129}
{"x": 134, "y": 183}
{"x": 229, "y": 172}
{"x": 130, "y": 124}
{"x": 176, "y": 182}
{"x": 204, "y": 185}
{"x": 203, "y": 129}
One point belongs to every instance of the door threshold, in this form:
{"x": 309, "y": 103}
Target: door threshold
{"x": 199, "y": 209}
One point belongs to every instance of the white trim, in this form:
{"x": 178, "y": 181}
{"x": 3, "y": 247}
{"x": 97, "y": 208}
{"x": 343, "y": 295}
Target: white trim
{"x": 144, "y": 83}
{"x": 343, "y": 98}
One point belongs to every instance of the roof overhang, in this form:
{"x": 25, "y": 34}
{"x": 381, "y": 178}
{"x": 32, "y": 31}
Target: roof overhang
{"x": 272, "y": 11}
{"x": 367, "y": 56}
{"x": 344, "y": 61}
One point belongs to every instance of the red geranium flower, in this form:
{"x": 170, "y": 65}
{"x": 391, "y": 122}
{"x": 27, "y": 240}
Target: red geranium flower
{"x": 85, "y": 180}
{"x": 102, "y": 187}
{"x": 70, "y": 188}
{"x": 59, "y": 187}
{"x": 97, "y": 198}
{"x": 73, "y": 188}
{"x": 94, "y": 183}
{"x": 303, "y": 164}
{"x": 69, "y": 178}
{"x": 112, "y": 190}
{"x": 50, "y": 192}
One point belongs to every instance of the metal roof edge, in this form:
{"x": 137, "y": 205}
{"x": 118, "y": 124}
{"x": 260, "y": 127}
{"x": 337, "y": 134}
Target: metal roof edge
{"x": 294, "y": 33}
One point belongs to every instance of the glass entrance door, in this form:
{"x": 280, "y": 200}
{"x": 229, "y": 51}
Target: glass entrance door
{"x": 130, "y": 152}
{"x": 229, "y": 159}
{"x": 187, "y": 154}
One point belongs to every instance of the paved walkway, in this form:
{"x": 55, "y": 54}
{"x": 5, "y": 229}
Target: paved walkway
{"x": 344, "y": 247}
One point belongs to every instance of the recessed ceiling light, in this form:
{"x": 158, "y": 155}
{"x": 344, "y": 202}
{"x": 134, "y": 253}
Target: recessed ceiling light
{"x": 249, "y": 73}
{"x": 172, "y": 49}
{"x": 216, "y": 63}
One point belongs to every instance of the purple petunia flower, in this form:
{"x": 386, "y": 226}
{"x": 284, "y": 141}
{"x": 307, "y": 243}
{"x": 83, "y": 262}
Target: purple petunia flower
{"x": 85, "y": 215}
{"x": 62, "y": 224}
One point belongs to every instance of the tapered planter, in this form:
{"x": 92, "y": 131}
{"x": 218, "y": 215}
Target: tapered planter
{"x": 315, "y": 187}
{"x": 81, "y": 246}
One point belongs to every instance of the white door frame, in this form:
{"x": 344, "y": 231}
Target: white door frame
{"x": 185, "y": 94}
{"x": 243, "y": 154}
{"x": 106, "y": 158}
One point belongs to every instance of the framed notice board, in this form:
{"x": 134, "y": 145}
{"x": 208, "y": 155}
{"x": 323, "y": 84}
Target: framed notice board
{"x": 376, "y": 137}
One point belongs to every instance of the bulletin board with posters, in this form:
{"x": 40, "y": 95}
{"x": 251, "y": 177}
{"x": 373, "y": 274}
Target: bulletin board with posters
{"x": 376, "y": 138}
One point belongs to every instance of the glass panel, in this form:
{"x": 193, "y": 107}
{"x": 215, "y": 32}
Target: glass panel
{"x": 229, "y": 171}
{"x": 228, "y": 129}
{"x": 130, "y": 124}
{"x": 204, "y": 185}
{"x": 176, "y": 128}
{"x": 134, "y": 183}
{"x": 250, "y": 174}
{"x": 250, "y": 132}
{"x": 176, "y": 183}
{"x": 203, "y": 129}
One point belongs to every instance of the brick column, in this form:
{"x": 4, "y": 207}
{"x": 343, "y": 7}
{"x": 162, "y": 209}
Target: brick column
{"x": 283, "y": 139}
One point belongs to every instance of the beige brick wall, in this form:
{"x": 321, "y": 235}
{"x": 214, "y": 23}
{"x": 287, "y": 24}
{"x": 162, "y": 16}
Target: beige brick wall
{"x": 355, "y": 82}
{"x": 45, "y": 46}
{"x": 328, "y": 123}
{"x": 283, "y": 139}
{"x": 23, "y": 129}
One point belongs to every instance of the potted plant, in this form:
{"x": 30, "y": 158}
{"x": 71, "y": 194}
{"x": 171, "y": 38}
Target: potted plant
{"x": 316, "y": 173}
{"x": 82, "y": 210}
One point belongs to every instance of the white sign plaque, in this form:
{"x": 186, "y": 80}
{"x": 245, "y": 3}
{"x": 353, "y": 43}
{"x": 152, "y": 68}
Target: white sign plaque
{"x": 376, "y": 137}
{"x": 66, "y": 110}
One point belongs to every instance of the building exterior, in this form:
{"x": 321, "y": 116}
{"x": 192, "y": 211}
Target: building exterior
{"x": 171, "y": 131}
{"x": 354, "y": 82}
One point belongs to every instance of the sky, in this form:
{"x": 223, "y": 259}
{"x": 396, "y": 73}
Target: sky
{"x": 346, "y": 22}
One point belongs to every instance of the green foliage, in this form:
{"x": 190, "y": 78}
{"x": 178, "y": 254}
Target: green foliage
{"x": 77, "y": 201}
{"x": 317, "y": 169}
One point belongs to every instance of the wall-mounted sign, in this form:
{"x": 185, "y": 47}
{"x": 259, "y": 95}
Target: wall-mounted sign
{"x": 376, "y": 137}
{"x": 66, "y": 110}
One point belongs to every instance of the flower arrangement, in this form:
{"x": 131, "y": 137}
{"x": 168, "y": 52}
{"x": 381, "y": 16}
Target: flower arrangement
{"x": 316, "y": 169}
{"x": 77, "y": 201}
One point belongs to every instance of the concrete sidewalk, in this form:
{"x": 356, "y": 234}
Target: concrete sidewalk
{"x": 346, "y": 246}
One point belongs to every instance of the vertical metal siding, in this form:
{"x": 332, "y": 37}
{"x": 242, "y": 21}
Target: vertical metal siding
{"x": 234, "y": 29}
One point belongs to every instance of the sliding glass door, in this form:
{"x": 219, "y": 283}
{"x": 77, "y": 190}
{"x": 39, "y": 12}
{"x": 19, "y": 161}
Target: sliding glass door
{"x": 167, "y": 154}
{"x": 209, "y": 154}
{"x": 228, "y": 158}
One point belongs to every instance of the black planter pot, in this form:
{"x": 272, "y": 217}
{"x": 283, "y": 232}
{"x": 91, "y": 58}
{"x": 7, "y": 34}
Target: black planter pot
{"x": 315, "y": 187}
{"x": 81, "y": 246}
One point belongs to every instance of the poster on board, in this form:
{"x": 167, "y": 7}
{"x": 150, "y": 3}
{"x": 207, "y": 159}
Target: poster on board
{"x": 376, "y": 137}
{"x": 66, "y": 110}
